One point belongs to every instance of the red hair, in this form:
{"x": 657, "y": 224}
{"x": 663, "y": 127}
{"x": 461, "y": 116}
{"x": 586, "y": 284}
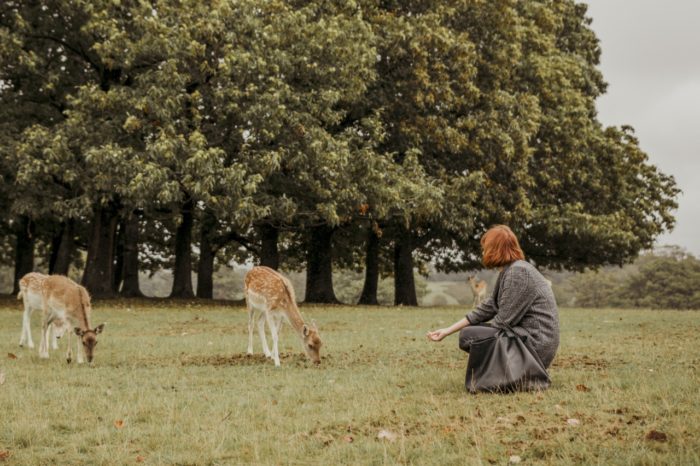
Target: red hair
{"x": 500, "y": 247}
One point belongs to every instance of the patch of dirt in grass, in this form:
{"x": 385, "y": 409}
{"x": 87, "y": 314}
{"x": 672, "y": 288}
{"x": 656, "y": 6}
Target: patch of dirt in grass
{"x": 243, "y": 359}
{"x": 580, "y": 362}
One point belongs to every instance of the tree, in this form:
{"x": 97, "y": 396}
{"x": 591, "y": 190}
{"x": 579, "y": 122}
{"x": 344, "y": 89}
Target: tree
{"x": 310, "y": 68}
{"x": 386, "y": 135}
{"x": 595, "y": 198}
{"x": 442, "y": 102}
{"x": 506, "y": 124}
{"x": 132, "y": 133}
{"x": 667, "y": 280}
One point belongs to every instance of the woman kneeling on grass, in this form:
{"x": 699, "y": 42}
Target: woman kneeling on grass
{"x": 524, "y": 300}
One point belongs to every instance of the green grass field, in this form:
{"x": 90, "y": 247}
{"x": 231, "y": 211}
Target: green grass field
{"x": 171, "y": 384}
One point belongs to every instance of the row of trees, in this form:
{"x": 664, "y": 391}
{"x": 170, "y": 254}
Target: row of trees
{"x": 667, "y": 278}
{"x": 375, "y": 136}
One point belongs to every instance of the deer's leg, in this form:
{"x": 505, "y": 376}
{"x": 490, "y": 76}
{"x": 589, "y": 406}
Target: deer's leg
{"x": 275, "y": 334}
{"x": 251, "y": 324}
{"x": 279, "y": 320}
{"x": 261, "y": 331}
{"x": 69, "y": 350}
{"x": 45, "y": 322}
{"x": 79, "y": 350}
{"x": 26, "y": 336}
{"x": 44, "y": 345}
{"x": 54, "y": 338}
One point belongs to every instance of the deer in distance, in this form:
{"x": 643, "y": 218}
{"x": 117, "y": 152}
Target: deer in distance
{"x": 270, "y": 300}
{"x": 478, "y": 289}
{"x": 65, "y": 303}
{"x": 31, "y": 294}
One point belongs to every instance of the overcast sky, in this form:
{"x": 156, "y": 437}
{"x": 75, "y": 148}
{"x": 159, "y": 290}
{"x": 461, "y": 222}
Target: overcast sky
{"x": 651, "y": 61}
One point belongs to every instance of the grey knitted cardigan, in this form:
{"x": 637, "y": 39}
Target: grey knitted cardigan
{"x": 524, "y": 300}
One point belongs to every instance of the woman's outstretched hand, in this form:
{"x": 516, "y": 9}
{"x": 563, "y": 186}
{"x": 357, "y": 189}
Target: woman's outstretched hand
{"x": 438, "y": 335}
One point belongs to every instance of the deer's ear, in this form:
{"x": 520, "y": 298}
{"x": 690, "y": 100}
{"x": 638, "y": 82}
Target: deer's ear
{"x": 99, "y": 329}
{"x": 313, "y": 324}
{"x": 78, "y": 331}
{"x": 305, "y": 331}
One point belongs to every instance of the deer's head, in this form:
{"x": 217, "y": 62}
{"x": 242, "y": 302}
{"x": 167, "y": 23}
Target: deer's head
{"x": 312, "y": 343}
{"x": 89, "y": 339}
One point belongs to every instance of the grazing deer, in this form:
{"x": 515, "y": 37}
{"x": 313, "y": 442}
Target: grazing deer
{"x": 66, "y": 301}
{"x": 30, "y": 292}
{"x": 478, "y": 289}
{"x": 270, "y": 295}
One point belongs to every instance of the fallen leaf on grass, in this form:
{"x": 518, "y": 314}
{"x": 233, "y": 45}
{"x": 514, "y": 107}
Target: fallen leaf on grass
{"x": 656, "y": 435}
{"x": 515, "y": 459}
{"x": 2, "y": 378}
{"x": 386, "y": 435}
{"x": 348, "y": 439}
{"x": 11, "y": 356}
{"x": 119, "y": 423}
{"x": 582, "y": 388}
{"x": 140, "y": 459}
{"x": 4, "y": 454}
{"x": 573, "y": 422}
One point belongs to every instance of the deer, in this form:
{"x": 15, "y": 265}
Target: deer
{"x": 270, "y": 299}
{"x": 30, "y": 292}
{"x": 478, "y": 289}
{"x": 66, "y": 301}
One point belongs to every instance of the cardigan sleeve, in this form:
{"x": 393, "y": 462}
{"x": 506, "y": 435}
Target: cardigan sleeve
{"x": 483, "y": 312}
{"x": 515, "y": 297}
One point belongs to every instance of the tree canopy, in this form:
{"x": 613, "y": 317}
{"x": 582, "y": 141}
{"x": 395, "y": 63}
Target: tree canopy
{"x": 303, "y": 134}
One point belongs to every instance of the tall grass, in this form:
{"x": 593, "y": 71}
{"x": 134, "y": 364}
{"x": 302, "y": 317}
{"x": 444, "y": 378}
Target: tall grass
{"x": 171, "y": 384}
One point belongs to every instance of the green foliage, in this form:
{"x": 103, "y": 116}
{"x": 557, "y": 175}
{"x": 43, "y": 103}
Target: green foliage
{"x": 665, "y": 281}
{"x": 428, "y": 119}
{"x": 668, "y": 278}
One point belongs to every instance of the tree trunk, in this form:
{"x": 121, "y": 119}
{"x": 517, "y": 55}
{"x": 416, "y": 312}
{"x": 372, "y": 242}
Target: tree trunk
{"x": 62, "y": 248}
{"x": 207, "y": 254}
{"x": 130, "y": 271}
{"x": 118, "y": 258}
{"x": 369, "y": 290}
{"x": 269, "y": 253}
{"x": 319, "y": 266}
{"x": 98, "y": 276}
{"x": 404, "y": 283}
{"x": 182, "y": 274}
{"x": 24, "y": 250}
{"x": 53, "y": 252}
